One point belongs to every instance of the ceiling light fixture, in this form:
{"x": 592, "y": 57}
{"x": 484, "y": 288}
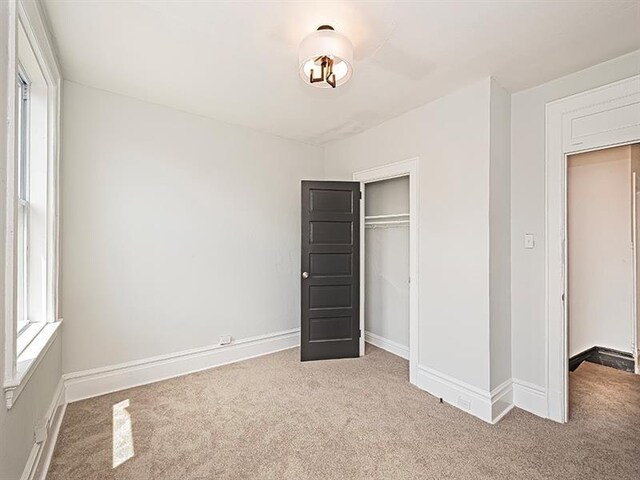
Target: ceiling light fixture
{"x": 325, "y": 58}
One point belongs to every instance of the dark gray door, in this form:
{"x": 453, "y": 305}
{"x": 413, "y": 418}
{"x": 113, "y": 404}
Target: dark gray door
{"x": 330, "y": 270}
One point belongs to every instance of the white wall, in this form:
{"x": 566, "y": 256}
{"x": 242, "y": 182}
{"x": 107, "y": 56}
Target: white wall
{"x": 599, "y": 250}
{"x": 17, "y": 425}
{"x": 451, "y": 137}
{"x": 500, "y": 234}
{"x": 176, "y": 229}
{"x": 387, "y": 262}
{"x": 528, "y": 204}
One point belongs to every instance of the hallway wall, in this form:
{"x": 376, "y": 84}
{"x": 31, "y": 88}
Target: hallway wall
{"x": 600, "y": 257}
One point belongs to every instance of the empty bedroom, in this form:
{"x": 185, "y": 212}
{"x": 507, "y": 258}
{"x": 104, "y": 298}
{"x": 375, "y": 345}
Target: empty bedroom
{"x": 319, "y": 239}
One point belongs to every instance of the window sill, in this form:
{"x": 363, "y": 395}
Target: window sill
{"x": 28, "y": 361}
{"x": 27, "y": 336}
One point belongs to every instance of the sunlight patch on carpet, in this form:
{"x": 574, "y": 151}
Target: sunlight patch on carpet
{"x": 122, "y": 434}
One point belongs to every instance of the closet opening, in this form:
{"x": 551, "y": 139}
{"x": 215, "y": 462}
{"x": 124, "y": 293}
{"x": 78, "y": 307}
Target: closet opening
{"x": 386, "y": 239}
{"x": 602, "y": 270}
{"x": 389, "y": 286}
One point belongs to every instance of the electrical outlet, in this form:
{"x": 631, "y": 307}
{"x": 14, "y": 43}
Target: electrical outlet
{"x": 225, "y": 339}
{"x": 464, "y": 403}
{"x": 40, "y": 432}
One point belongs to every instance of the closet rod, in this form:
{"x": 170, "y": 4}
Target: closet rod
{"x": 385, "y": 226}
{"x": 390, "y": 223}
{"x": 394, "y": 215}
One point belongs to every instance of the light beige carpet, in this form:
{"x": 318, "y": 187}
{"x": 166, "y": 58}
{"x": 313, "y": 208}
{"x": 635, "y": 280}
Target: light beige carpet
{"x": 277, "y": 418}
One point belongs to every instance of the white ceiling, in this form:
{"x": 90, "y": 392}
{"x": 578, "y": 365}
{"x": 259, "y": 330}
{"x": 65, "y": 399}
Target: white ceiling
{"x": 237, "y": 61}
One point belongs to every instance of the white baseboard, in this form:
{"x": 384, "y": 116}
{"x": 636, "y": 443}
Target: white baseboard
{"x": 501, "y": 400}
{"x": 388, "y": 345}
{"x": 52, "y": 436}
{"x": 41, "y": 453}
{"x": 459, "y": 394}
{"x": 488, "y": 406}
{"x": 99, "y": 381}
{"x": 530, "y": 397}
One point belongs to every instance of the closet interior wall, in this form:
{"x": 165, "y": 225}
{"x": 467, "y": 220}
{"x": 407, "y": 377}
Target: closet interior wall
{"x": 387, "y": 260}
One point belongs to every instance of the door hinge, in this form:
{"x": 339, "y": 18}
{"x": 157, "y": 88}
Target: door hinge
{"x": 563, "y": 297}
{"x": 360, "y": 195}
{"x": 359, "y": 333}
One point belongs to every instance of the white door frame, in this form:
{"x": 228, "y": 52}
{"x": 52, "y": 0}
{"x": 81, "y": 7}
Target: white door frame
{"x": 634, "y": 262}
{"x": 399, "y": 169}
{"x": 603, "y": 117}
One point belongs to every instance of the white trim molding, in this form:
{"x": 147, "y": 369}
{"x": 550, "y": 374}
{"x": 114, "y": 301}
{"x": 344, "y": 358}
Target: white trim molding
{"x": 599, "y": 118}
{"x": 490, "y": 406}
{"x": 42, "y": 451}
{"x": 100, "y": 381}
{"x": 388, "y": 345}
{"x": 11, "y": 119}
{"x": 530, "y": 397}
{"x": 28, "y": 361}
{"x": 403, "y": 168}
{"x": 501, "y": 400}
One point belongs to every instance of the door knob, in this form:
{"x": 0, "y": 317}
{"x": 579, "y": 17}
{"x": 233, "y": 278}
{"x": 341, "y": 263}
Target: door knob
{"x": 305, "y": 274}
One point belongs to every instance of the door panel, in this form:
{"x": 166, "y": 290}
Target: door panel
{"x": 331, "y": 233}
{"x": 330, "y": 264}
{"x": 329, "y": 296}
{"x": 330, "y": 201}
{"x": 329, "y": 328}
{"x": 330, "y": 320}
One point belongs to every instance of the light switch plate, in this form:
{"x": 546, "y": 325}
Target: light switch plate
{"x": 529, "y": 240}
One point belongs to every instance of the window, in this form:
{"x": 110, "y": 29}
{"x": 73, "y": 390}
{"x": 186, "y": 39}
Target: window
{"x": 28, "y": 322}
{"x": 22, "y": 231}
{"x": 31, "y": 249}
{"x": 31, "y": 196}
